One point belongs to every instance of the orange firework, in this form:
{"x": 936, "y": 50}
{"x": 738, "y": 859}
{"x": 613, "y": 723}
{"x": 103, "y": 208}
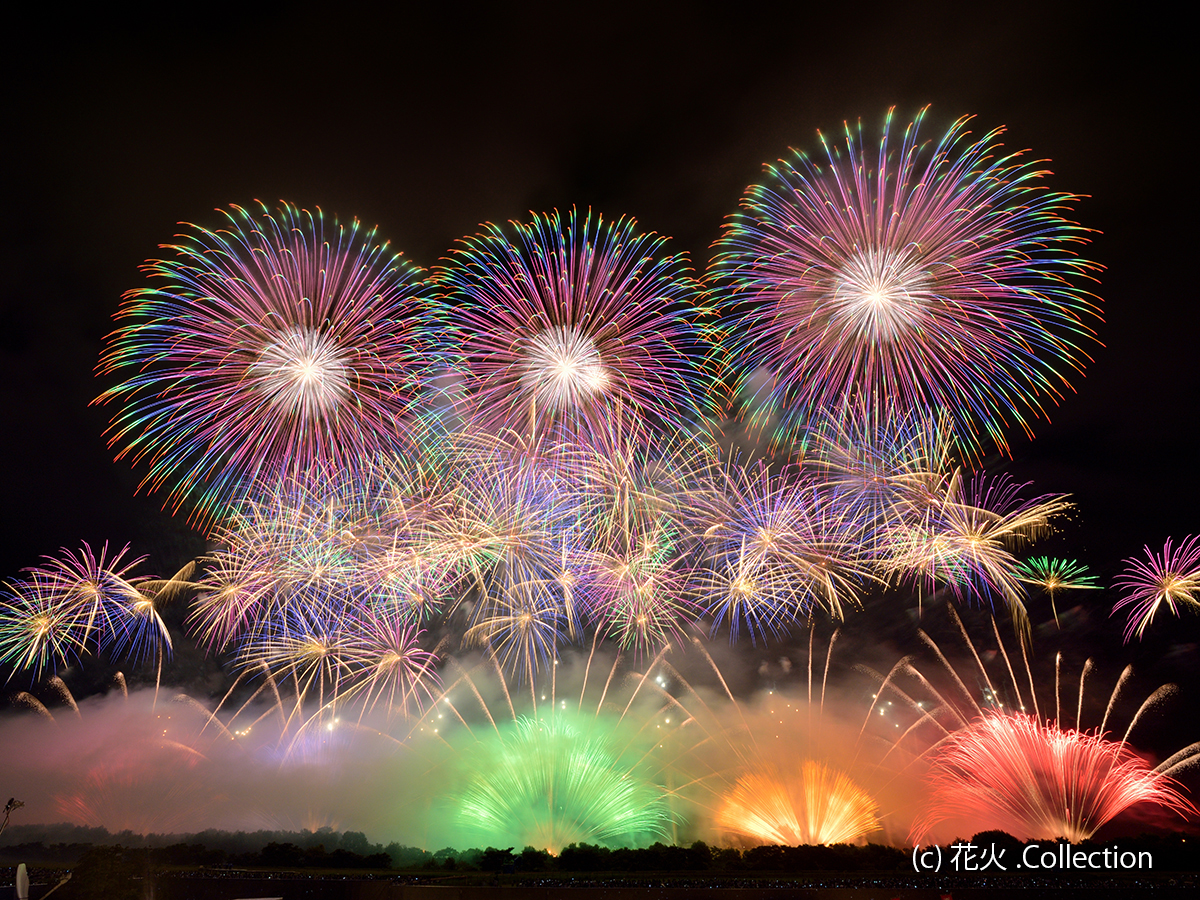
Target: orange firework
{"x": 813, "y": 804}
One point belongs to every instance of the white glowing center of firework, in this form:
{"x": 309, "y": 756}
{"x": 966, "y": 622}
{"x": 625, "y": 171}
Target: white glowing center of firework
{"x": 304, "y": 371}
{"x": 563, "y": 367}
{"x": 880, "y": 295}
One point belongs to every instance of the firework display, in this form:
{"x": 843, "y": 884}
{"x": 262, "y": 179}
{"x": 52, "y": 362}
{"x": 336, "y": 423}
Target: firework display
{"x": 274, "y": 343}
{"x": 1171, "y": 579}
{"x": 936, "y": 277}
{"x": 1008, "y": 771}
{"x": 474, "y": 529}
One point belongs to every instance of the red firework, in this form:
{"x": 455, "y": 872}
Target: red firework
{"x": 1038, "y": 781}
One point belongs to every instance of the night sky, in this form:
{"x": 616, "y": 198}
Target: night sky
{"x": 428, "y": 123}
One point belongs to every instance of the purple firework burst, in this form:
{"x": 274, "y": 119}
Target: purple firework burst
{"x": 1171, "y": 580}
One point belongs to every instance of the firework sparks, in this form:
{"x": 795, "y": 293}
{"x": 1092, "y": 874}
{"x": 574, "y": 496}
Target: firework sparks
{"x": 1171, "y": 580}
{"x": 810, "y": 804}
{"x": 272, "y": 344}
{"x": 926, "y": 278}
{"x": 965, "y": 536}
{"x": 778, "y": 550}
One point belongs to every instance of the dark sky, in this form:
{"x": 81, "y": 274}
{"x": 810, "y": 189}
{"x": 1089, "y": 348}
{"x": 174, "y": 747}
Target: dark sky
{"x": 427, "y": 123}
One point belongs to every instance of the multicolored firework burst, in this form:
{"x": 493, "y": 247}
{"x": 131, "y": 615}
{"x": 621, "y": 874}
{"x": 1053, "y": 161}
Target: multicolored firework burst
{"x": 1012, "y": 772}
{"x": 273, "y": 344}
{"x": 572, "y": 320}
{"x": 964, "y": 538}
{"x": 778, "y": 551}
{"x": 809, "y": 804}
{"x": 1171, "y": 580}
{"x": 924, "y": 277}
{"x": 78, "y": 602}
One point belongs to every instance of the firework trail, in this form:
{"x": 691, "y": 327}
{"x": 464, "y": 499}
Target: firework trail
{"x": 571, "y": 320}
{"x": 275, "y": 343}
{"x": 924, "y": 277}
{"x": 1171, "y": 580}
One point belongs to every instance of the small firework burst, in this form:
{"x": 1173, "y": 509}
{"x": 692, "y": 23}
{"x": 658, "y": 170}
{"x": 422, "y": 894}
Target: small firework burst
{"x": 1054, "y": 576}
{"x": 547, "y": 783}
{"x": 1171, "y": 579}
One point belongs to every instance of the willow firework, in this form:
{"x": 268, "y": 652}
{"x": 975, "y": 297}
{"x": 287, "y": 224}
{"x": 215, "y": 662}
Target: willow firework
{"x": 934, "y": 278}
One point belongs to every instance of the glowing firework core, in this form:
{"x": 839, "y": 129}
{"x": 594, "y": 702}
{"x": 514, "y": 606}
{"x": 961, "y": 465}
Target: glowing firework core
{"x": 305, "y": 372}
{"x": 563, "y": 367}
{"x": 879, "y": 295}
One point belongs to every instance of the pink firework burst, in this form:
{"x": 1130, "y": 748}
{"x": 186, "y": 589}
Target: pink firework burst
{"x": 1037, "y": 781}
{"x": 1171, "y": 580}
{"x": 927, "y": 277}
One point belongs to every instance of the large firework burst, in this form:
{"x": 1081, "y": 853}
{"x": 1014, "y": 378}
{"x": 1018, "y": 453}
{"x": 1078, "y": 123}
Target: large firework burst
{"x": 572, "y": 320}
{"x": 273, "y": 343}
{"x": 927, "y": 277}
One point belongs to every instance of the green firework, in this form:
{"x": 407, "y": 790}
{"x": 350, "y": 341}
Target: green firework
{"x": 546, "y": 783}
